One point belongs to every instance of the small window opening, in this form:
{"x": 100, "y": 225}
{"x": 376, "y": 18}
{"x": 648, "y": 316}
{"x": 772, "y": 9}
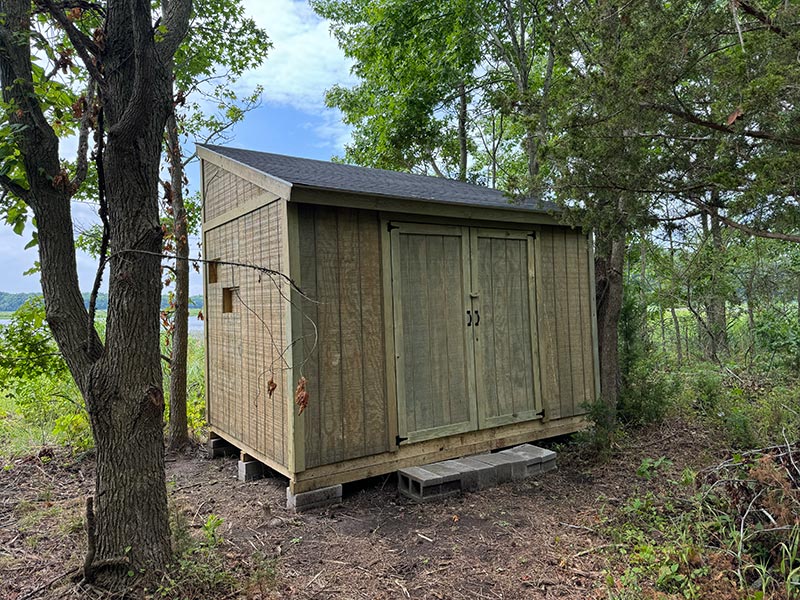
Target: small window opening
{"x": 227, "y": 298}
{"x": 212, "y": 271}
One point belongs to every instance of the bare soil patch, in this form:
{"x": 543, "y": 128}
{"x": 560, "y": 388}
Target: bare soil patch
{"x": 533, "y": 539}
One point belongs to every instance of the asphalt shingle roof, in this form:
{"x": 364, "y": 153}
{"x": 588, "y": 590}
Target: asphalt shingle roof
{"x": 317, "y": 174}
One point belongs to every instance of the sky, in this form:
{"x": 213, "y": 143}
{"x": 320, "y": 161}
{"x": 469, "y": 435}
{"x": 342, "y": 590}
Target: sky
{"x": 292, "y": 119}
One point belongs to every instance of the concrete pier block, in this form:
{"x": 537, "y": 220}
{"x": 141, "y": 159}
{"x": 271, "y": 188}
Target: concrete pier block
{"x": 219, "y": 447}
{"x": 327, "y": 496}
{"x": 250, "y": 470}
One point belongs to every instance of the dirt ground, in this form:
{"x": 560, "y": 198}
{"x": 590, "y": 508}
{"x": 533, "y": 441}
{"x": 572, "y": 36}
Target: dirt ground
{"x": 533, "y": 539}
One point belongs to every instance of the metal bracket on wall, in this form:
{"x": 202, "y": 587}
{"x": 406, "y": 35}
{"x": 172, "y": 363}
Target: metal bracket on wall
{"x": 390, "y": 226}
{"x": 399, "y": 439}
{"x": 532, "y": 234}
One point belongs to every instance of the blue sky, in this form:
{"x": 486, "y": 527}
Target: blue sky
{"x": 292, "y": 118}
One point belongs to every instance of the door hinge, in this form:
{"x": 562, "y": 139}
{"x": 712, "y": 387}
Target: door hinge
{"x": 532, "y": 234}
{"x": 399, "y": 439}
{"x": 390, "y": 226}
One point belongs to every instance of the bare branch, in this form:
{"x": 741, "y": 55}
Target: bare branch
{"x": 83, "y": 44}
{"x": 260, "y": 269}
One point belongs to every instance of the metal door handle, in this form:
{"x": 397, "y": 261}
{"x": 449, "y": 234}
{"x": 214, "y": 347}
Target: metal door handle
{"x": 469, "y": 318}
{"x": 477, "y": 318}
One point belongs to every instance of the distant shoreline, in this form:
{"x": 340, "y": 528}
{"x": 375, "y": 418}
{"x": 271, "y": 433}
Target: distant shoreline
{"x": 9, "y": 302}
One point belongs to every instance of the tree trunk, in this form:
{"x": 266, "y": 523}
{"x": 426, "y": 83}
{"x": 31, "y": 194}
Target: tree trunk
{"x": 121, "y": 380}
{"x": 675, "y": 321}
{"x": 609, "y": 263}
{"x": 717, "y": 313}
{"x": 178, "y": 425}
{"x": 676, "y": 324}
{"x": 462, "y": 132}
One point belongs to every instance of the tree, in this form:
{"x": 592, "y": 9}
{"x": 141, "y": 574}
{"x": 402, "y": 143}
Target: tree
{"x": 220, "y": 45}
{"x": 127, "y": 61}
{"x": 447, "y": 82}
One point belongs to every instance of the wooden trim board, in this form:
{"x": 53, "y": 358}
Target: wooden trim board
{"x": 261, "y": 201}
{"x": 435, "y": 450}
{"x": 277, "y": 186}
{"x": 422, "y": 208}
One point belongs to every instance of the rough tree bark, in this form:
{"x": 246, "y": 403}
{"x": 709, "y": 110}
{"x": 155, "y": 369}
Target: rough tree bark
{"x": 121, "y": 378}
{"x": 462, "y": 132}
{"x": 609, "y": 263}
{"x": 178, "y": 424}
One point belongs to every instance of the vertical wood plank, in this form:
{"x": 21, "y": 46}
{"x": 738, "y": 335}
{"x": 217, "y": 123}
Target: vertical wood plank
{"x": 546, "y": 310}
{"x": 519, "y": 365}
{"x": 308, "y": 283}
{"x": 437, "y": 335}
{"x": 561, "y": 300}
{"x": 486, "y": 338}
{"x": 352, "y": 411}
{"x": 374, "y": 397}
{"x": 331, "y": 445}
{"x": 453, "y": 305}
{"x": 586, "y": 319}
{"x": 575, "y": 320}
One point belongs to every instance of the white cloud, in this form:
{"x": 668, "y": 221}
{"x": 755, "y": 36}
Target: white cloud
{"x": 305, "y": 59}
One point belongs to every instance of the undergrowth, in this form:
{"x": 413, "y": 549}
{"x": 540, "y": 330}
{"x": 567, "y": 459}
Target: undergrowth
{"x": 203, "y": 569}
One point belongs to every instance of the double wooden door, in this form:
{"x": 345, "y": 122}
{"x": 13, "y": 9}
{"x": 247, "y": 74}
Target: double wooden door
{"x": 465, "y": 328}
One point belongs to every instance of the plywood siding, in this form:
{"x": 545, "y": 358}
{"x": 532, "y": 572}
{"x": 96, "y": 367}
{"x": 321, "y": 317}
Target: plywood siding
{"x": 247, "y": 333}
{"x": 342, "y": 334}
{"x": 225, "y": 191}
{"x": 565, "y": 332}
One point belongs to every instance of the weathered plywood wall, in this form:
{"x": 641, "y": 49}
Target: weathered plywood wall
{"x": 345, "y": 366}
{"x": 246, "y": 346}
{"x": 565, "y": 322}
{"x": 225, "y": 191}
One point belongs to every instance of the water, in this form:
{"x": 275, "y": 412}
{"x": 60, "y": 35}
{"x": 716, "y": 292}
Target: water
{"x": 195, "y": 324}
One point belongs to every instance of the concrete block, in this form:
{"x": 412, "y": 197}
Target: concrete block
{"x": 327, "y": 496}
{"x": 486, "y": 475}
{"x": 430, "y": 481}
{"x": 219, "y": 447}
{"x": 534, "y": 458}
{"x": 251, "y": 470}
{"x": 508, "y": 467}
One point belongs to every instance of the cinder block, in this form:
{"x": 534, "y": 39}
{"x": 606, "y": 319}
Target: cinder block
{"x": 327, "y": 496}
{"x": 219, "y": 447}
{"x": 485, "y": 474}
{"x": 251, "y": 470}
{"x": 430, "y": 481}
{"x": 508, "y": 467}
{"x": 534, "y": 458}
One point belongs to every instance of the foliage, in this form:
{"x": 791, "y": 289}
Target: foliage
{"x": 195, "y": 400}
{"x": 39, "y": 393}
{"x": 705, "y": 535}
{"x": 202, "y": 570}
{"x": 27, "y": 349}
{"x": 646, "y": 391}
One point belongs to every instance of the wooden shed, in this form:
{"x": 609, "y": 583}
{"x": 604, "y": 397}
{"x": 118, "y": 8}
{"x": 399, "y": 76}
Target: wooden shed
{"x": 440, "y": 319}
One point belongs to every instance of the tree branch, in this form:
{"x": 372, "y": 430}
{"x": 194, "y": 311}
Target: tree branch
{"x": 83, "y": 44}
{"x": 763, "y": 17}
{"x": 175, "y": 24}
{"x": 786, "y": 237}
{"x": 694, "y": 119}
{"x": 16, "y": 189}
{"x": 82, "y": 163}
